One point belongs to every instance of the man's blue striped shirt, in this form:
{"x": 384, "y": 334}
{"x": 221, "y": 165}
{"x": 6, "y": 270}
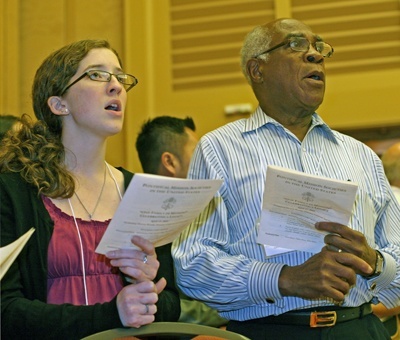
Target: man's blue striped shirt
{"x": 217, "y": 257}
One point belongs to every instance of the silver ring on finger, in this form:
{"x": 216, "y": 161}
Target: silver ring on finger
{"x": 145, "y": 259}
{"x": 147, "y": 309}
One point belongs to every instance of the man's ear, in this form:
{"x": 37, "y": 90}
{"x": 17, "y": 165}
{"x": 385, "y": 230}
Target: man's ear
{"x": 254, "y": 70}
{"x": 57, "y": 106}
{"x": 168, "y": 164}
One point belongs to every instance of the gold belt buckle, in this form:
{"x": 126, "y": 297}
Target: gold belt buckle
{"x": 323, "y": 319}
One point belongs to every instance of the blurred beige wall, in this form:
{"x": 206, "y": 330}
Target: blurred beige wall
{"x": 185, "y": 54}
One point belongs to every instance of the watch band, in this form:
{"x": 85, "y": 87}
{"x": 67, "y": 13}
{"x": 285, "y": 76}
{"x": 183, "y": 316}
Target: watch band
{"x": 378, "y": 264}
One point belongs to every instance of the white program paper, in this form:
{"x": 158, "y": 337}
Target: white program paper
{"x": 157, "y": 208}
{"x": 10, "y": 252}
{"x": 293, "y": 202}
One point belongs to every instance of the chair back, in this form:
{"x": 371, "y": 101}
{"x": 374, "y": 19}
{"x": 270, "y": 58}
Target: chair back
{"x": 167, "y": 329}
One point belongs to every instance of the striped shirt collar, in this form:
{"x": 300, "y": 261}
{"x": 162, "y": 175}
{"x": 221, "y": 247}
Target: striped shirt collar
{"x": 259, "y": 118}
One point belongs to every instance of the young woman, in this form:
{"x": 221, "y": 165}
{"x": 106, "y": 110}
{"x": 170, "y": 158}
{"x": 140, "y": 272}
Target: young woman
{"x": 54, "y": 177}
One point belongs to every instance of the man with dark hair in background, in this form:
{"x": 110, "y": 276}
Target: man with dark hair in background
{"x": 165, "y": 146}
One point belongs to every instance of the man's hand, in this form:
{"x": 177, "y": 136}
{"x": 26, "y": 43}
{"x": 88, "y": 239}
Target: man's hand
{"x": 327, "y": 274}
{"x": 332, "y": 272}
{"x": 344, "y": 239}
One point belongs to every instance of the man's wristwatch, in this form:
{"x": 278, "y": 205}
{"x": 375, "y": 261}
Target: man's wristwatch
{"x": 378, "y": 265}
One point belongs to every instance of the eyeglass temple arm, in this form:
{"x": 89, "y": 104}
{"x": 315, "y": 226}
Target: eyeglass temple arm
{"x": 271, "y": 49}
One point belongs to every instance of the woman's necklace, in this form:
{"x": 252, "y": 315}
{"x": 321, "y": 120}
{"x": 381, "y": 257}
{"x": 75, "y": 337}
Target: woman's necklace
{"x": 79, "y": 233}
{"x": 98, "y": 200}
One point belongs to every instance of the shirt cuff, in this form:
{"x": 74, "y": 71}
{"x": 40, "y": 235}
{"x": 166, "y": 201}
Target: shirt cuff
{"x": 388, "y": 274}
{"x": 263, "y": 283}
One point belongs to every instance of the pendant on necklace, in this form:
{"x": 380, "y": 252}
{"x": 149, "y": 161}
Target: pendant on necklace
{"x": 99, "y": 198}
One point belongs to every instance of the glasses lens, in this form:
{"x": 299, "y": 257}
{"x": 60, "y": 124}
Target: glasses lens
{"x": 125, "y": 79}
{"x": 99, "y": 75}
{"x": 299, "y": 44}
{"x": 327, "y": 51}
{"x": 321, "y": 47}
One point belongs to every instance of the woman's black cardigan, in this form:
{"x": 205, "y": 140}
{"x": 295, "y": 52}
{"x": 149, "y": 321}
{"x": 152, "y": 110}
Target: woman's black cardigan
{"x": 24, "y": 311}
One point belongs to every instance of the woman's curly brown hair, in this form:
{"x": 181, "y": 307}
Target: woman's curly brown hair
{"x": 38, "y": 155}
{"x": 35, "y": 150}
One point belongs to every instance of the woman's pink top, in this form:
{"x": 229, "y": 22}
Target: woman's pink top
{"x": 65, "y": 283}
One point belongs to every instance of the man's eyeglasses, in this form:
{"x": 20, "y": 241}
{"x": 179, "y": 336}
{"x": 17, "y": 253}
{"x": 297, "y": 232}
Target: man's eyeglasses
{"x": 127, "y": 80}
{"x": 301, "y": 44}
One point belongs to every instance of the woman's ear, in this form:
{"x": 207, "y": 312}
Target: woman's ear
{"x": 57, "y": 107}
{"x": 254, "y": 70}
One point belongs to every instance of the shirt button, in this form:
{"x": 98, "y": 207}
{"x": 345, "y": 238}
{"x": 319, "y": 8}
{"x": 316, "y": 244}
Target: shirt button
{"x": 373, "y": 286}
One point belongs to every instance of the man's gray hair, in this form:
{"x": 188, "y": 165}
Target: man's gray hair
{"x": 255, "y": 42}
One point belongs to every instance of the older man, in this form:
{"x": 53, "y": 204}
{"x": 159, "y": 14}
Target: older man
{"x": 297, "y": 294}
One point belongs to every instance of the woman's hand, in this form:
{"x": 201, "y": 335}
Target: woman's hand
{"x": 136, "y": 303}
{"x": 138, "y": 264}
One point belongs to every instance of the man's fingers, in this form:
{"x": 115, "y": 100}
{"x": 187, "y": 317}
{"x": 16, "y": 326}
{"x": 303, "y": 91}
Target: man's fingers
{"x": 354, "y": 262}
{"x": 339, "y": 231}
{"x": 347, "y": 277}
{"x": 344, "y": 239}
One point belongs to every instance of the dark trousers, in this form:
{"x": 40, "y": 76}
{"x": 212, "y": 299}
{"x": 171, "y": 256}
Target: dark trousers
{"x": 367, "y": 328}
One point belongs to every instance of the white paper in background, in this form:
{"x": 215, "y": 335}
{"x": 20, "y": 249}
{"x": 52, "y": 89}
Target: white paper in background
{"x": 157, "y": 208}
{"x": 271, "y": 250}
{"x": 9, "y": 253}
{"x": 293, "y": 202}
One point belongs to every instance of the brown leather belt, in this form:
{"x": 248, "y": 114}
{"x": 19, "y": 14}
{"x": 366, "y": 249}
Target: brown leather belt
{"x": 319, "y": 317}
